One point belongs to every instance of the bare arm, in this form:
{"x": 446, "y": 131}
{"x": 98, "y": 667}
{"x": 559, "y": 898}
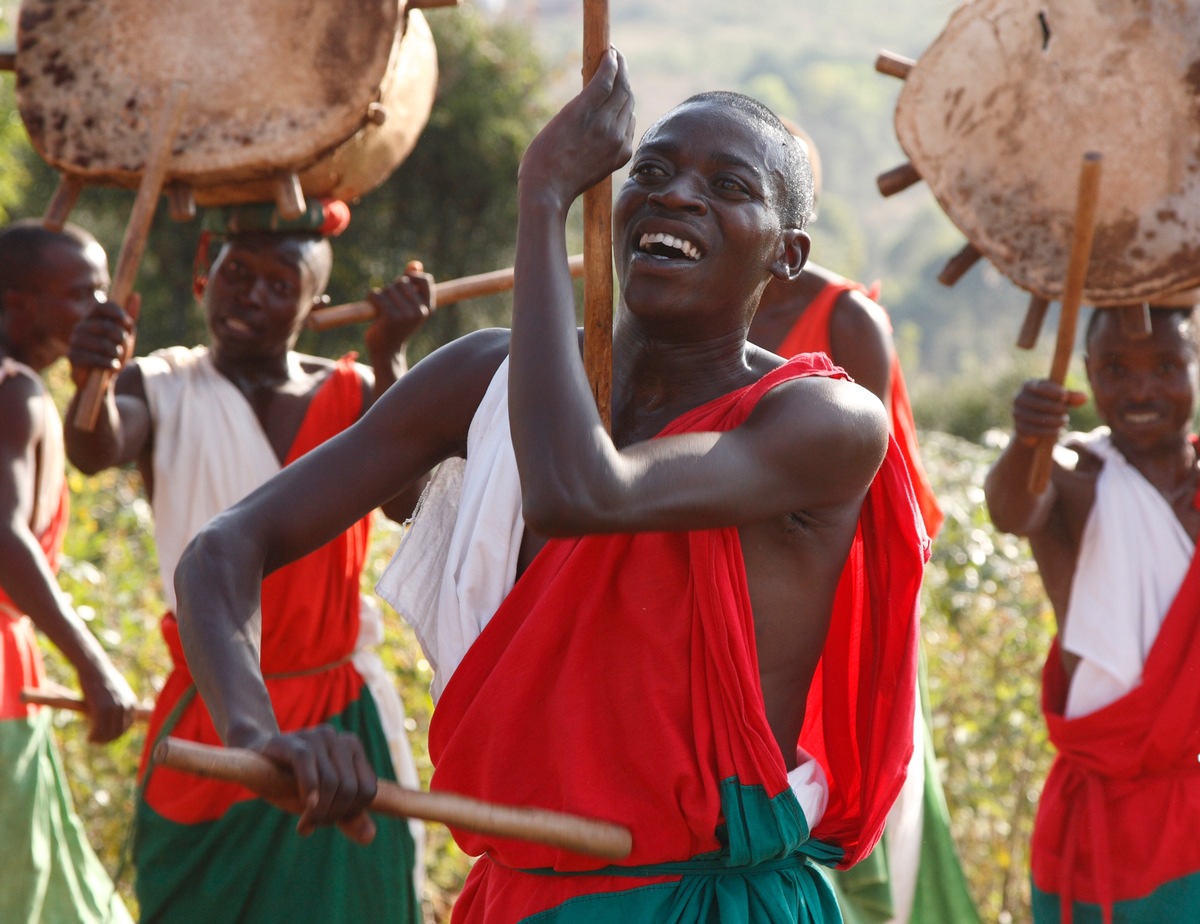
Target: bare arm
{"x": 402, "y": 306}
{"x": 420, "y": 421}
{"x": 104, "y": 340}
{"x": 1039, "y": 413}
{"x": 26, "y": 577}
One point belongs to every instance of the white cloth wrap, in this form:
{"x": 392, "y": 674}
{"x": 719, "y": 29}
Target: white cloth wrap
{"x": 458, "y": 561}
{"x": 210, "y": 451}
{"x": 1133, "y": 557}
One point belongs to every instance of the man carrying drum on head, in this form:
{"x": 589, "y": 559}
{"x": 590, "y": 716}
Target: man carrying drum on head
{"x": 206, "y": 426}
{"x": 1114, "y": 536}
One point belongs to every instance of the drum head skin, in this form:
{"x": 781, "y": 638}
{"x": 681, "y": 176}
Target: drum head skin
{"x": 997, "y": 115}
{"x": 274, "y": 85}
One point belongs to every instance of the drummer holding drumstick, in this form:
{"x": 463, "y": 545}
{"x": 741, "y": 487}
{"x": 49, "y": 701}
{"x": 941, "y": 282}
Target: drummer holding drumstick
{"x": 626, "y": 627}
{"x": 1114, "y": 534}
{"x": 206, "y": 426}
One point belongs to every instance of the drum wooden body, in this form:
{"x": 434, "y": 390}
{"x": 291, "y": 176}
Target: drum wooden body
{"x": 335, "y": 92}
{"x": 997, "y": 113}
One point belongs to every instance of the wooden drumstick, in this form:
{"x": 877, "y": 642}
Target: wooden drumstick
{"x": 597, "y": 239}
{"x": 444, "y": 293}
{"x": 58, "y": 698}
{"x": 91, "y": 399}
{"x": 254, "y": 771}
{"x": 1077, "y": 266}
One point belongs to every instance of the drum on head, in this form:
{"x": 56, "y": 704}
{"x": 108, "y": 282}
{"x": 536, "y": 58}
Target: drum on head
{"x": 334, "y": 92}
{"x": 997, "y": 113}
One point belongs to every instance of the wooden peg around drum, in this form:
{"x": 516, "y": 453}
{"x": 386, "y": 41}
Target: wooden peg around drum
{"x": 289, "y": 197}
{"x": 957, "y": 266}
{"x": 8, "y": 58}
{"x": 430, "y": 4}
{"x": 1031, "y": 327}
{"x": 897, "y": 179}
{"x": 58, "y": 209}
{"x": 894, "y": 65}
{"x": 1135, "y": 321}
{"x": 182, "y": 203}
{"x": 376, "y": 114}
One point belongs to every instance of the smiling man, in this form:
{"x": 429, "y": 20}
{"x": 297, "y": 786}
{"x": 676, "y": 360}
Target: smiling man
{"x": 701, "y": 627}
{"x": 1114, "y": 536}
{"x": 206, "y": 425}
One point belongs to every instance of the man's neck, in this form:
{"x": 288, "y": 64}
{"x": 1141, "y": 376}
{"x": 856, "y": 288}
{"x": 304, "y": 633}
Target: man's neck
{"x": 258, "y": 373}
{"x": 656, "y": 379}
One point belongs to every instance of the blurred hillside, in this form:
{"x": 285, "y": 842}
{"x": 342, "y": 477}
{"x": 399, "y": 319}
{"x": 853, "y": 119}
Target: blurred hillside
{"x": 814, "y": 62}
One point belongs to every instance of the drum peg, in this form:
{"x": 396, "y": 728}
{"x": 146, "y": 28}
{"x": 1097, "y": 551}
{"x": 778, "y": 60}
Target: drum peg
{"x": 894, "y": 65}
{"x": 1135, "y": 321}
{"x": 376, "y": 113}
{"x": 8, "y": 57}
{"x": 897, "y": 179}
{"x": 66, "y": 194}
{"x": 289, "y": 197}
{"x": 956, "y": 267}
{"x": 430, "y": 4}
{"x": 1031, "y": 327}
{"x": 182, "y": 203}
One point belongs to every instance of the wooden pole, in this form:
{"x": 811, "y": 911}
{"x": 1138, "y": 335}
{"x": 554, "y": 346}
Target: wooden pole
{"x": 444, "y": 293}
{"x": 65, "y": 699}
{"x": 1081, "y": 252}
{"x": 557, "y": 829}
{"x": 91, "y": 399}
{"x": 597, "y": 239}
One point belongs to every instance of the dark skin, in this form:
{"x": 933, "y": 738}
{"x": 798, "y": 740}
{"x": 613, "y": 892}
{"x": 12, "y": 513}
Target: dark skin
{"x": 261, "y": 290}
{"x": 40, "y": 310}
{"x": 859, "y": 334}
{"x": 1145, "y": 390}
{"x": 704, "y": 175}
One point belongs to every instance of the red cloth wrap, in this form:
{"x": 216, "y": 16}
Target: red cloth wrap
{"x": 619, "y": 679}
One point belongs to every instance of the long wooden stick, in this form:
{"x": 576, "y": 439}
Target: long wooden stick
{"x": 91, "y": 399}
{"x": 597, "y": 238}
{"x": 58, "y": 698}
{"x": 557, "y": 829}
{"x": 444, "y": 293}
{"x": 1081, "y": 253}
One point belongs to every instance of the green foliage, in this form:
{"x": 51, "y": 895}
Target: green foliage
{"x": 986, "y": 629}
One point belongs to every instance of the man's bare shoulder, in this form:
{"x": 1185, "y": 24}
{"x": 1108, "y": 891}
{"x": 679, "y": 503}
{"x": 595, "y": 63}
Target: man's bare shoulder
{"x": 21, "y": 409}
{"x": 835, "y": 431}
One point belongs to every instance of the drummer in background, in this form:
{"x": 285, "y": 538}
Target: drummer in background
{"x": 1114, "y": 537}
{"x": 918, "y": 877}
{"x": 48, "y": 281}
{"x": 206, "y": 425}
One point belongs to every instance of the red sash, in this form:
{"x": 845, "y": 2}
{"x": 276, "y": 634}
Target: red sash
{"x": 20, "y": 658}
{"x": 1120, "y": 810}
{"x": 619, "y": 679}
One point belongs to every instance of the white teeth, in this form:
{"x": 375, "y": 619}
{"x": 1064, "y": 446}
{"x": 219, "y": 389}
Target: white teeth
{"x": 687, "y": 248}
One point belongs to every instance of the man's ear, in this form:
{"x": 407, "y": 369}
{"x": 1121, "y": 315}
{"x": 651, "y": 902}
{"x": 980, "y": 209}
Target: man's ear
{"x": 18, "y": 308}
{"x": 793, "y": 254}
